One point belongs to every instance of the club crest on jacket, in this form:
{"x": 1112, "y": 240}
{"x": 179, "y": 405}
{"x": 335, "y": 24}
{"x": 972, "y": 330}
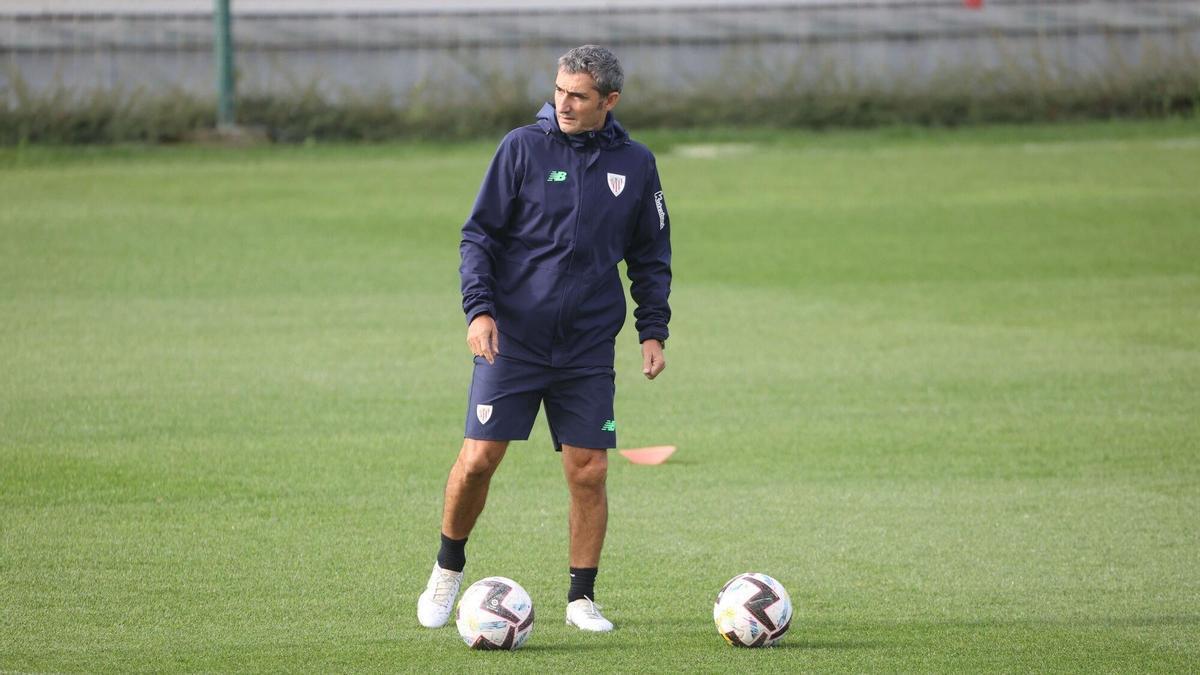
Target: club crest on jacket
{"x": 616, "y": 183}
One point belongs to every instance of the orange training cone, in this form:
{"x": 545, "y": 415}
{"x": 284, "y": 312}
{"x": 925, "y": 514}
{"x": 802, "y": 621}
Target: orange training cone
{"x": 653, "y": 455}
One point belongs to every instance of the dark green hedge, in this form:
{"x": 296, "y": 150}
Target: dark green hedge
{"x": 60, "y": 117}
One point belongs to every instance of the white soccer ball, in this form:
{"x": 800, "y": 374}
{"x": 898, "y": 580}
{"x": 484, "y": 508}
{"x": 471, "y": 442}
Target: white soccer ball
{"x": 495, "y": 613}
{"x": 752, "y": 610}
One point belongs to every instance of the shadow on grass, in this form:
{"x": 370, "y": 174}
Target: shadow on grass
{"x": 795, "y": 639}
{"x": 1142, "y": 621}
{"x": 833, "y": 645}
{"x": 573, "y": 647}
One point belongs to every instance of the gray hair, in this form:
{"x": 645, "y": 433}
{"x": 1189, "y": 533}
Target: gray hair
{"x": 598, "y": 62}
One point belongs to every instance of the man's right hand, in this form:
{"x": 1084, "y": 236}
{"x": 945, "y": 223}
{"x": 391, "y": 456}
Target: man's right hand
{"x": 483, "y": 338}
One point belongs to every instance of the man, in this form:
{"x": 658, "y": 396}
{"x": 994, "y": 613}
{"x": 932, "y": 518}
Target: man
{"x": 563, "y": 201}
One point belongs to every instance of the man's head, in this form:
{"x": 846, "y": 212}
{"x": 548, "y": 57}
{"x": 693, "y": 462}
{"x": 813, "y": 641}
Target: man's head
{"x": 587, "y": 86}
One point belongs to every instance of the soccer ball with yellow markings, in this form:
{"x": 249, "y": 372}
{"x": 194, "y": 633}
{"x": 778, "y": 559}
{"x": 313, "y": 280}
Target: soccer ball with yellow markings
{"x": 495, "y": 613}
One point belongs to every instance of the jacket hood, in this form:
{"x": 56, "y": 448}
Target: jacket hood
{"x": 611, "y": 135}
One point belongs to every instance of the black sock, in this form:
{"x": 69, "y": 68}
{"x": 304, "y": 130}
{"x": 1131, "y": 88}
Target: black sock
{"x": 453, "y": 554}
{"x": 583, "y": 582}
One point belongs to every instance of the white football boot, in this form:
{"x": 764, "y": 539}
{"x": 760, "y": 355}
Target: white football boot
{"x": 437, "y": 602}
{"x": 585, "y": 615}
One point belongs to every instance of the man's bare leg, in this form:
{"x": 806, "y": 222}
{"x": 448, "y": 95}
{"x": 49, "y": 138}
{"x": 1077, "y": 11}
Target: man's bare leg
{"x": 587, "y": 473}
{"x": 466, "y": 494}
{"x": 467, "y": 487}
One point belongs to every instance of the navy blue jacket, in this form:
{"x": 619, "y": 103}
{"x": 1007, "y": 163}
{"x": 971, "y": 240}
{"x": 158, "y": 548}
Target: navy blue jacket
{"x": 554, "y": 216}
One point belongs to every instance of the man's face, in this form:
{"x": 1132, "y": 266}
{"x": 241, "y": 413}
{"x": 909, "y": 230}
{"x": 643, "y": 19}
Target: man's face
{"x": 578, "y": 103}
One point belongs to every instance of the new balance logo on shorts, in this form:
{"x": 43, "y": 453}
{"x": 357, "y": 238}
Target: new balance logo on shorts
{"x": 610, "y": 425}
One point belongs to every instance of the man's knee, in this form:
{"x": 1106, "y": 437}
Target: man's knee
{"x": 480, "y": 459}
{"x": 586, "y": 468}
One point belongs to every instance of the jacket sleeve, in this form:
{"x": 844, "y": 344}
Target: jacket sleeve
{"x": 479, "y": 246}
{"x": 648, "y": 262}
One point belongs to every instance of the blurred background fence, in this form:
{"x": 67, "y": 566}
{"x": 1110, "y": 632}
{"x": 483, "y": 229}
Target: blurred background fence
{"x": 76, "y": 70}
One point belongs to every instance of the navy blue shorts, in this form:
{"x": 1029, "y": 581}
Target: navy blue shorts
{"x": 504, "y": 398}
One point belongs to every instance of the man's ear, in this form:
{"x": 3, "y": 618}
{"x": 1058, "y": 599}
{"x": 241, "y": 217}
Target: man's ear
{"x": 610, "y": 101}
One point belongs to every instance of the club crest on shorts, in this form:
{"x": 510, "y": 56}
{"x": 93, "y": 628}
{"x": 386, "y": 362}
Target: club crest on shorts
{"x": 616, "y": 183}
{"x": 483, "y": 412}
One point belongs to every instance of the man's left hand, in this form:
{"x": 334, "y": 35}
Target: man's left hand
{"x": 653, "y": 362}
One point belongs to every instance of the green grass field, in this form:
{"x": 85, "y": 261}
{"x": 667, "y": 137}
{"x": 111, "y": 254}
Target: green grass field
{"x": 943, "y": 385}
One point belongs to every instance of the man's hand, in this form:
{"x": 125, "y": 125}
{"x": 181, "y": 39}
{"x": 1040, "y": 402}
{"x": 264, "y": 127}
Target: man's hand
{"x": 652, "y": 359}
{"x": 483, "y": 338}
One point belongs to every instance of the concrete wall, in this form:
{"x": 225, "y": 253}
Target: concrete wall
{"x": 370, "y": 46}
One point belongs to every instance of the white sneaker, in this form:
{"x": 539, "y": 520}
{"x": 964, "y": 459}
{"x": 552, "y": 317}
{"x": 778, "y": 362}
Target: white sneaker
{"x": 585, "y": 615}
{"x": 437, "y": 602}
